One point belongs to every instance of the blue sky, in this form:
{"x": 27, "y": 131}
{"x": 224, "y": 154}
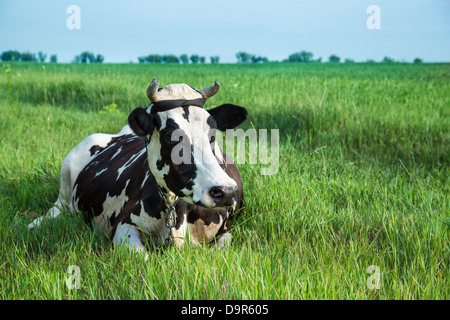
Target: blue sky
{"x": 125, "y": 30}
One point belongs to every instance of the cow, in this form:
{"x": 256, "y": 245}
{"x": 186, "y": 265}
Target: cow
{"x": 133, "y": 186}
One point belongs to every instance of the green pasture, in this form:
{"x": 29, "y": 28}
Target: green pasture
{"x": 363, "y": 181}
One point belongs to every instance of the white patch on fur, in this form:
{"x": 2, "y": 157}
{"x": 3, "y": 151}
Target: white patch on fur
{"x": 130, "y": 162}
{"x": 100, "y": 172}
{"x": 111, "y": 205}
{"x": 178, "y": 91}
{"x": 117, "y": 152}
{"x": 178, "y": 235}
{"x": 147, "y": 174}
{"x": 150, "y": 226}
{"x": 130, "y": 237}
{"x": 125, "y": 130}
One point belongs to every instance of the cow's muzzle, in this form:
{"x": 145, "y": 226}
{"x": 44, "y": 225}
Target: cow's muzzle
{"x": 223, "y": 196}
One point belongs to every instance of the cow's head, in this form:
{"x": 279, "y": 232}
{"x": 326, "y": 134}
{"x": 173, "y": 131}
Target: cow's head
{"x": 182, "y": 152}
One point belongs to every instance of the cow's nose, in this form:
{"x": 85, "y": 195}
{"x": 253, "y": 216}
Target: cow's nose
{"x": 223, "y": 196}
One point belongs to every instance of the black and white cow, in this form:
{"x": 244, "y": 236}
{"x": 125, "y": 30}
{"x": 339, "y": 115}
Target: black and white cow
{"x": 129, "y": 184}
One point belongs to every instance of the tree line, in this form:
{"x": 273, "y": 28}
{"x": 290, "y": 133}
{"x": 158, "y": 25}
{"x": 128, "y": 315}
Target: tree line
{"x": 89, "y": 57}
{"x": 241, "y": 56}
{"x": 13, "y": 55}
{"x": 170, "y": 58}
{"x": 306, "y": 56}
{"x": 84, "y": 57}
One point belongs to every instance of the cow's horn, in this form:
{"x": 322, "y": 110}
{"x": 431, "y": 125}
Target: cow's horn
{"x": 152, "y": 90}
{"x": 208, "y": 92}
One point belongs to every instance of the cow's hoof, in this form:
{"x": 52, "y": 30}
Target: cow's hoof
{"x": 35, "y": 224}
{"x": 224, "y": 240}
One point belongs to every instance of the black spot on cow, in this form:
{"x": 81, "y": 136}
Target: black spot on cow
{"x": 186, "y": 113}
{"x": 94, "y": 149}
{"x": 160, "y": 164}
{"x": 195, "y": 212}
{"x": 211, "y": 122}
{"x": 181, "y": 175}
{"x": 112, "y": 218}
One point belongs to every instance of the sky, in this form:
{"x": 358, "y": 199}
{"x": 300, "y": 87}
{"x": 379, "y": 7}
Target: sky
{"x": 122, "y": 31}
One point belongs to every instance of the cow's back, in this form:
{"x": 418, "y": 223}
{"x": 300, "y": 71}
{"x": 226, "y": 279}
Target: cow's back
{"x": 114, "y": 180}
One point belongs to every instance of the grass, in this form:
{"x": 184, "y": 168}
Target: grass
{"x": 363, "y": 181}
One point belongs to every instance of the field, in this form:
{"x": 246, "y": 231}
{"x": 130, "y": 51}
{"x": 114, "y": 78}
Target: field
{"x": 361, "y": 194}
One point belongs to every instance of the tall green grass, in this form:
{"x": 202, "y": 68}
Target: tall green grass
{"x": 363, "y": 180}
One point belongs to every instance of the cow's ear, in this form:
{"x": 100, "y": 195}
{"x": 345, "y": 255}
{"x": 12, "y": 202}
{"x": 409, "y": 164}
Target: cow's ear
{"x": 228, "y": 116}
{"x": 141, "y": 122}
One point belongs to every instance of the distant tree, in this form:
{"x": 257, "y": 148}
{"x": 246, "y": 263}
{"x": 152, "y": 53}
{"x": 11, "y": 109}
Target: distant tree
{"x": 83, "y": 57}
{"x": 258, "y": 59}
{"x": 202, "y": 59}
{"x": 387, "y": 60}
{"x": 87, "y": 57}
{"x": 170, "y": 58}
{"x": 418, "y": 60}
{"x": 42, "y": 56}
{"x": 347, "y": 60}
{"x": 302, "y": 56}
{"x": 99, "y": 58}
{"x": 53, "y": 58}
{"x": 153, "y": 58}
{"x": 334, "y": 58}
{"x": 28, "y": 56}
{"x": 243, "y": 57}
{"x": 11, "y": 55}
{"x": 307, "y": 56}
{"x": 215, "y": 59}
{"x": 294, "y": 57}
{"x": 195, "y": 58}
{"x": 184, "y": 58}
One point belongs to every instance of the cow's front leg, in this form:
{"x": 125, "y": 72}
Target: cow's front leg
{"x": 223, "y": 240}
{"x": 129, "y": 236}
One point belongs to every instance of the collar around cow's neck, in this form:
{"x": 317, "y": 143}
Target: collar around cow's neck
{"x": 171, "y": 104}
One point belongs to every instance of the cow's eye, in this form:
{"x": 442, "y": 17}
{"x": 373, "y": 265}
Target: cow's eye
{"x": 212, "y": 139}
{"x": 168, "y": 137}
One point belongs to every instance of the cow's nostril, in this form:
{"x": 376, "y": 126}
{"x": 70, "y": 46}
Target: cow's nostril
{"x": 217, "y": 193}
{"x": 223, "y": 196}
